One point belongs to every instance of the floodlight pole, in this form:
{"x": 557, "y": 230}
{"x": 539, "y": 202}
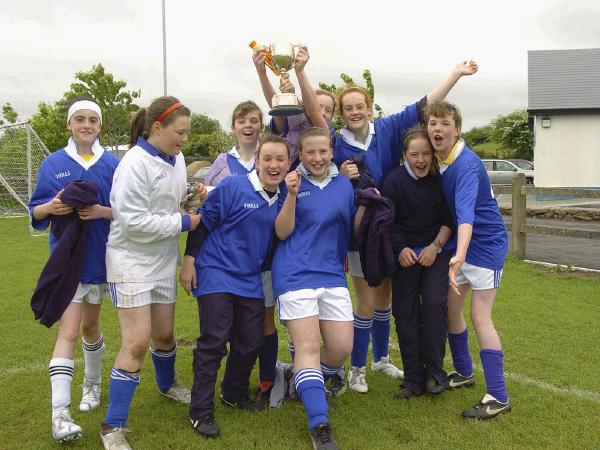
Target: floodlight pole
{"x": 164, "y": 29}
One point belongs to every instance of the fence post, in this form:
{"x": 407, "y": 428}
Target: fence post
{"x": 519, "y": 216}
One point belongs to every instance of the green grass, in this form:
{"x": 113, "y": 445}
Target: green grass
{"x": 493, "y": 150}
{"x": 548, "y": 323}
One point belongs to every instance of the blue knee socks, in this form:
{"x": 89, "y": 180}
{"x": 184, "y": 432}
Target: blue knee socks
{"x": 380, "y": 332}
{"x": 329, "y": 371}
{"x": 164, "y": 367}
{"x": 461, "y": 358}
{"x": 493, "y": 370}
{"x": 311, "y": 390}
{"x": 362, "y": 335}
{"x": 121, "y": 389}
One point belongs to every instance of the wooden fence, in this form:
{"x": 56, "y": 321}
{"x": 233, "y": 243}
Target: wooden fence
{"x": 519, "y": 227}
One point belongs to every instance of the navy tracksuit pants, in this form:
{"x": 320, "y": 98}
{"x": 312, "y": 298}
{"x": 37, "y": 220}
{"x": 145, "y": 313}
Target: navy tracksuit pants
{"x": 420, "y": 309}
{"x": 225, "y": 318}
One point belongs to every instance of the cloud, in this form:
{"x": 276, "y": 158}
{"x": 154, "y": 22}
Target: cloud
{"x": 572, "y": 24}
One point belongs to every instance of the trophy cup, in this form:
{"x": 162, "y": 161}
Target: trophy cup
{"x": 283, "y": 58}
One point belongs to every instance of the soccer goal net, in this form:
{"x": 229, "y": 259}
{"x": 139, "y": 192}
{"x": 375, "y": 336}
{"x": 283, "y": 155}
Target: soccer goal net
{"x": 21, "y": 154}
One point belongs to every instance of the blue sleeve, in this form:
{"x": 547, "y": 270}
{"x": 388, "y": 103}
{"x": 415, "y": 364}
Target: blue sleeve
{"x": 338, "y": 157}
{"x": 217, "y": 204}
{"x": 467, "y": 186}
{"x": 282, "y": 196}
{"x": 186, "y": 222}
{"x": 396, "y": 125}
{"x": 45, "y": 190}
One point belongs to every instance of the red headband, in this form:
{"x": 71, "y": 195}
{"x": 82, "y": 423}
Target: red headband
{"x": 168, "y": 111}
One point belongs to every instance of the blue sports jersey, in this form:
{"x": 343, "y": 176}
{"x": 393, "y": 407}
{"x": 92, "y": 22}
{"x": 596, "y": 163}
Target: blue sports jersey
{"x": 235, "y": 168}
{"x": 239, "y": 217}
{"x": 56, "y": 171}
{"x": 467, "y": 189}
{"x": 384, "y": 150}
{"x": 313, "y": 255}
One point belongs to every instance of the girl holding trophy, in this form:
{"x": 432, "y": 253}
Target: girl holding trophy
{"x": 379, "y": 146}
{"x": 318, "y": 111}
{"x": 319, "y": 105}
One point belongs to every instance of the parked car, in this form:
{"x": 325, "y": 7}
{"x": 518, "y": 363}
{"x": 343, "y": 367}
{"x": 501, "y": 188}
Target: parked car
{"x": 502, "y": 171}
{"x": 522, "y": 163}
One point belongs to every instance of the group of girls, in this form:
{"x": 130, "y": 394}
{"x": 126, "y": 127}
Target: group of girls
{"x": 267, "y": 235}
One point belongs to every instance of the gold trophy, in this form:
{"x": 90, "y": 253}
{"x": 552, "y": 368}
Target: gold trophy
{"x": 283, "y": 58}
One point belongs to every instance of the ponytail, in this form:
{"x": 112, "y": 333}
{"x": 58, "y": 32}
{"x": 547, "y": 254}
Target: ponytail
{"x": 138, "y": 126}
{"x": 158, "y": 111}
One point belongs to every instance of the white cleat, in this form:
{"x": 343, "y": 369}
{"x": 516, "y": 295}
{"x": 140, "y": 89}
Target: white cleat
{"x": 91, "y": 396}
{"x": 356, "y": 379}
{"x": 385, "y": 366}
{"x": 178, "y": 393}
{"x": 115, "y": 439}
{"x": 63, "y": 427}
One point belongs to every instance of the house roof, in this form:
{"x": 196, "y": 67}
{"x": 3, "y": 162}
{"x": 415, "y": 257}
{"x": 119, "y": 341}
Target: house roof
{"x": 564, "y": 79}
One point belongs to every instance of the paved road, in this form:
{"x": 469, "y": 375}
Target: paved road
{"x": 563, "y": 250}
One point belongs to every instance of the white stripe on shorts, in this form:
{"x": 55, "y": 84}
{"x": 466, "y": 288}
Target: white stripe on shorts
{"x": 133, "y": 295}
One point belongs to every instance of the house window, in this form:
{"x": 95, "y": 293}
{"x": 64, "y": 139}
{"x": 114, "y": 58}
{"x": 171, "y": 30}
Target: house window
{"x": 546, "y": 122}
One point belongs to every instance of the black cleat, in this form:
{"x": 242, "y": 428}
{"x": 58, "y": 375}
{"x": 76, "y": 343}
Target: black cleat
{"x": 322, "y": 437}
{"x": 456, "y": 380}
{"x": 263, "y": 398}
{"x": 487, "y": 408}
{"x": 241, "y": 403}
{"x": 206, "y": 426}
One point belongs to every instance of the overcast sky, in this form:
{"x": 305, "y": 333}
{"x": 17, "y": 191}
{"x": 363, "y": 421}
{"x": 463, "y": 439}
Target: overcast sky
{"x": 408, "y": 49}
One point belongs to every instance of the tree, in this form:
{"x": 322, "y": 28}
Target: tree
{"x": 348, "y": 81}
{"x": 512, "y": 130}
{"x": 115, "y": 102}
{"x": 50, "y": 124}
{"x": 9, "y": 114}
{"x": 206, "y": 137}
{"x": 478, "y": 135}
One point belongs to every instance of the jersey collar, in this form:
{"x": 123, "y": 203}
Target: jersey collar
{"x": 97, "y": 150}
{"x": 258, "y": 187}
{"x": 348, "y": 137}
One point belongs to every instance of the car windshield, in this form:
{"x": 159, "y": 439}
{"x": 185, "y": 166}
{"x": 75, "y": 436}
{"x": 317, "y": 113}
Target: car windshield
{"x": 525, "y": 165}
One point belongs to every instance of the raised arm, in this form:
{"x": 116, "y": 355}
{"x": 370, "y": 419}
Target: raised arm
{"x": 258, "y": 57}
{"x": 284, "y": 223}
{"x": 312, "y": 109}
{"x": 461, "y": 69}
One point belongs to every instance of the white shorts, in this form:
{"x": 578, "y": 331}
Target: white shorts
{"x": 133, "y": 295}
{"x": 326, "y": 303}
{"x": 354, "y": 267}
{"x": 90, "y": 293}
{"x": 268, "y": 289}
{"x": 479, "y": 278}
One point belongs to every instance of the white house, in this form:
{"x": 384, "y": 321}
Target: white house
{"x": 564, "y": 111}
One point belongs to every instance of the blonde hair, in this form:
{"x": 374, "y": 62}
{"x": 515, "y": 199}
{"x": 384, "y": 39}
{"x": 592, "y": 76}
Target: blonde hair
{"x": 443, "y": 109}
{"x": 313, "y": 132}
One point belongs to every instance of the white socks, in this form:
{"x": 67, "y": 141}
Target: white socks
{"x": 92, "y": 356}
{"x": 61, "y": 375}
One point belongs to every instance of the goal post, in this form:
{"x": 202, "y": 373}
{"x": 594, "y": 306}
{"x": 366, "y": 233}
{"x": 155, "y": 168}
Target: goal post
{"x": 21, "y": 154}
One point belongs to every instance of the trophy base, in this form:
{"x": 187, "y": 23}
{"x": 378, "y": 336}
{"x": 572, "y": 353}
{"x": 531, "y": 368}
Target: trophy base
{"x": 286, "y": 110}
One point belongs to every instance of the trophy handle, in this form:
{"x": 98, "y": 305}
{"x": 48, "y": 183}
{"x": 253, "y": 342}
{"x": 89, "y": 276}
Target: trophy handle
{"x": 293, "y": 48}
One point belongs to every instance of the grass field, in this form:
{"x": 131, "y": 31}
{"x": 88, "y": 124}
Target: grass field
{"x": 548, "y": 322}
{"x": 493, "y": 150}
